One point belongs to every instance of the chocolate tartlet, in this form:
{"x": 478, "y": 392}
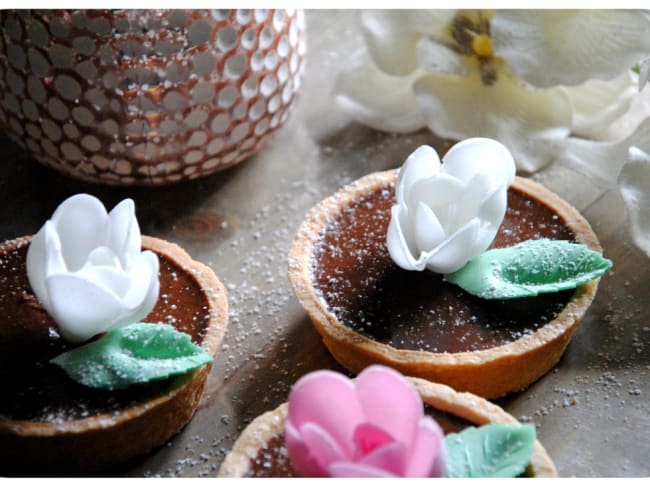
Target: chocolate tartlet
{"x": 49, "y": 423}
{"x": 260, "y": 450}
{"x": 368, "y": 310}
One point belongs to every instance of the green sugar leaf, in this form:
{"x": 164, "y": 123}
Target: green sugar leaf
{"x": 490, "y": 451}
{"x": 529, "y": 268}
{"x": 136, "y": 353}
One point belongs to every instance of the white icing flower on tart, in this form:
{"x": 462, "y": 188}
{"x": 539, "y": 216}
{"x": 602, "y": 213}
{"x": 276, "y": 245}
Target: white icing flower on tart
{"x": 447, "y": 214}
{"x": 86, "y": 268}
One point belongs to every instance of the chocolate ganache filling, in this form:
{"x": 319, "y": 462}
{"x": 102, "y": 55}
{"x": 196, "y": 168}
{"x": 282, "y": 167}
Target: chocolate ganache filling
{"x": 370, "y": 294}
{"x": 38, "y": 391}
{"x": 272, "y": 461}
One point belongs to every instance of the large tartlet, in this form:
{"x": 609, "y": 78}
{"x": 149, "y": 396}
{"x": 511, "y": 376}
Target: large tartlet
{"x": 48, "y": 423}
{"x": 260, "y": 450}
{"x": 369, "y": 311}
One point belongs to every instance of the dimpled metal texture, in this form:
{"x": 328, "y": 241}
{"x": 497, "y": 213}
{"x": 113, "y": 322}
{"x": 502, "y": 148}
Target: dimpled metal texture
{"x": 147, "y": 97}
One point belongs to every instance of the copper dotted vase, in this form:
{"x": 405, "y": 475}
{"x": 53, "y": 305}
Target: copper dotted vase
{"x": 149, "y": 97}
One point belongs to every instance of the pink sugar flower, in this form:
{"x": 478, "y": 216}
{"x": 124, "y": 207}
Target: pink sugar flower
{"x": 372, "y": 427}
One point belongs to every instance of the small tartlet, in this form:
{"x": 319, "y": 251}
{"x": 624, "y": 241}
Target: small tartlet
{"x": 491, "y": 372}
{"x": 97, "y": 442}
{"x": 477, "y": 411}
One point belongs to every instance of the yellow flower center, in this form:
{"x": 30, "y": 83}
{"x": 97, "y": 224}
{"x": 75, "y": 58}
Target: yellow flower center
{"x": 482, "y": 45}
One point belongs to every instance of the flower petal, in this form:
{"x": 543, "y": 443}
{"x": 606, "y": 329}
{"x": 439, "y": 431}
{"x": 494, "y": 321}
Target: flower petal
{"x": 329, "y": 400}
{"x": 644, "y": 73}
{"x": 441, "y": 193}
{"x": 602, "y": 161}
{"x": 428, "y": 231}
{"x": 470, "y": 157}
{"x": 35, "y": 263}
{"x": 427, "y": 457}
{"x": 361, "y": 91}
{"x": 634, "y": 185}
{"x": 568, "y": 47}
{"x": 531, "y": 123}
{"x": 397, "y": 242}
{"x": 54, "y": 262}
{"x": 102, "y": 256}
{"x": 390, "y": 457}
{"x": 491, "y": 214}
{"x": 106, "y": 277}
{"x": 597, "y": 103}
{"x": 301, "y": 457}
{"x": 321, "y": 445}
{"x": 124, "y": 232}
{"x": 368, "y": 437}
{"x": 80, "y": 308}
{"x": 435, "y": 56}
{"x": 44, "y": 258}
{"x": 82, "y": 224}
{"x": 142, "y": 295}
{"x": 392, "y": 35}
{"x": 470, "y": 204}
{"x": 348, "y": 469}
{"x": 494, "y": 206}
{"x": 421, "y": 164}
{"x": 390, "y": 401}
{"x": 456, "y": 251}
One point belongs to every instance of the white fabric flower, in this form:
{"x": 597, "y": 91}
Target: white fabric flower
{"x": 644, "y": 73}
{"x": 568, "y": 47}
{"x": 598, "y": 104}
{"x": 448, "y": 214}
{"x": 86, "y": 268}
{"x": 624, "y": 162}
{"x": 634, "y": 185}
{"x": 526, "y": 78}
{"x": 602, "y": 161}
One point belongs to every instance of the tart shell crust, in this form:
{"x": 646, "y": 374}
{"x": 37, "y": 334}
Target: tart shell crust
{"x": 465, "y": 405}
{"x": 489, "y": 373}
{"x": 96, "y": 442}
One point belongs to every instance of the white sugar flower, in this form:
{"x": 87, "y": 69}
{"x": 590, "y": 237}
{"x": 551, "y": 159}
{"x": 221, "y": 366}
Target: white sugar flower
{"x": 527, "y": 78}
{"x": 448, "y": 214}
{"x": 86, "y": 268}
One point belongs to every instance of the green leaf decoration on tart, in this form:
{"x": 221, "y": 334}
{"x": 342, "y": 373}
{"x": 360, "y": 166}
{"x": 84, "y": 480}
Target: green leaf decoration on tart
{"x": 134, "y": 354}
{"x": 529, "y": 269}
{"x": 490, "y": 451}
